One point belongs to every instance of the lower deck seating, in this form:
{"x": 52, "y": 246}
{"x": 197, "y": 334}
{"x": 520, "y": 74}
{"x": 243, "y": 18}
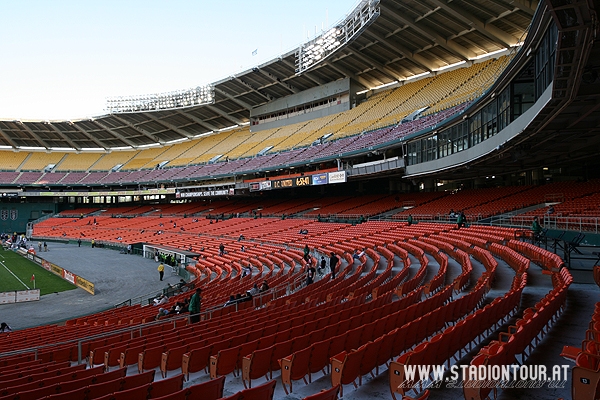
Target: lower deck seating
{"x": 316, "y": 333}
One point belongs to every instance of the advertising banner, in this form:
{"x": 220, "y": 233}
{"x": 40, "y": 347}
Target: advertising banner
{"x": 319, "y": 179}
{"x": 265, "y": 185}
{"x": 19, "y": 296}
{"x": 46, "y": 265}
{"x": 337, "y": 177}
{"x": 69, "y": 277}
{"x": 27, "y": 295}
{"x": 56, "y": 269}
{"x": 85, "y": 285}
{"x": 7, "y": 297}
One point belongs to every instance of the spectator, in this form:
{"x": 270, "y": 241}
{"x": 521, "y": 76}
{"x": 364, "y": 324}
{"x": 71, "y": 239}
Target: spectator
{"x": 550, "y": 210}
{"x": 323, "y": 263}
{"x": 161, "y": 300}
{"x": 410, "y": 219}
{"x": 264, "y": 287}
{"x": 536, "y": 227}
{"x": 45, "y": 246}
{"x": 161, "y": 271}
{"x": 221, "y": 249}
{"x": 231, "y": 301}
{"x": 129, "y": 248}
{"x": 357, "y": 255}
{"x": 161, "y": 313}
{"x": 306, "y": 252}
{"x": 195, "y": 306}
{"x": 184, "y": 307}
{"x": 460, "y": 220}
{"x": 333, "y": 260}
{"x": 254, "y": 291}
{"x": 5, "y": 328}
{"x": 310, "y": 274}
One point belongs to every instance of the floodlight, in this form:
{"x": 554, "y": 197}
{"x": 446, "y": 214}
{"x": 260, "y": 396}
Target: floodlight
{"x": 318, "y": 49}
{"x": 160, "y": 101}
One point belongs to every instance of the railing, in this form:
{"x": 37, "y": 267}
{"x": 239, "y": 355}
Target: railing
{"x": 37, "y": 221}
{"x": 580, "y": 224}
{"x": 258, "y": 301}
{"x": 80, "y": 341}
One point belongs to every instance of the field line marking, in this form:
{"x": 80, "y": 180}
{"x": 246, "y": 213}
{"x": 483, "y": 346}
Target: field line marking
{"x": 14, "y": 275}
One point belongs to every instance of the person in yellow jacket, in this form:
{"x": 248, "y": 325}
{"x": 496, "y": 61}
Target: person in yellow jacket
{"x": 161, "y": 271}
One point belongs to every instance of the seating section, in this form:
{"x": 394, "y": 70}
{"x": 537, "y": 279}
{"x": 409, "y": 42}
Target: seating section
{"x": 522, "y": 337}
{"x": 78, "y": 162}
{"x": 585, "y": 383}
{"x": 375, "y": 121}
{"x": 112, "y": 159}
{"x": 38, "y": 161}
{"x": 346, "y": 328}
{"x": 11, "y": 161}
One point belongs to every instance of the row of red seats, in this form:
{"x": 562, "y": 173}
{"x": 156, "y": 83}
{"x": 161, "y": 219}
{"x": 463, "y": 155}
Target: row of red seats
{"x": 444, "y": 346}
{"x": 475, "y": 295}
{"x": 316, "y": 356}
{"x": 520, "y": 338}
{"x": 288, "y": 323}
{"x": 543, "y": 258}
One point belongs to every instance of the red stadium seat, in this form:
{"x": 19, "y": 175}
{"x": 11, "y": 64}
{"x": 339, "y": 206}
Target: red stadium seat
{"x": 166, "y": 386}
{"x": 211, "y": 390}
{"x": 330, "y": 394}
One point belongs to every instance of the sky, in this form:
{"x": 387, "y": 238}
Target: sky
{"x": 60, "y": 59}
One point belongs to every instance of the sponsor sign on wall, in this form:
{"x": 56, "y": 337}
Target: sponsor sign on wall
{"x": 70, "y": 277}
{"x": 19, "y": 296}
{"x": 337, "y": 177}
{"x": 27, "y": 295}
{"x": 206, "y": 193}
{"x": 85, "y": 285}
{"x": 320, "y": 179}
{"x": 310, "y": 180}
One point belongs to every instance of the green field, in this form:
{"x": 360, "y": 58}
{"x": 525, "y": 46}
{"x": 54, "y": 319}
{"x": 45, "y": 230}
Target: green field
{"x": 23, "y": 269}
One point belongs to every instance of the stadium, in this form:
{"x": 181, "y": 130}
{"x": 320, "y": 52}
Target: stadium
{"x": 438, "y": 159}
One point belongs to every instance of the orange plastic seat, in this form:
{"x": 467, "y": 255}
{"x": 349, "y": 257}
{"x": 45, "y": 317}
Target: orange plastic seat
{"x": 224, "y": 362}
{"x": 345, "y": 368}
{"x": 256, "y": 365}
{"x": 295, "y": 367}
{"x": 171, "y": 359}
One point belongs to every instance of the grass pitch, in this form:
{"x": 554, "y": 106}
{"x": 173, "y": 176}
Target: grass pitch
{"x": 16, "y": 272}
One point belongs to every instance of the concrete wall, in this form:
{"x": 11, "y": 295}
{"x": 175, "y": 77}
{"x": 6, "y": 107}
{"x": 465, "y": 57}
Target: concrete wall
{"x": 15, "y": 216}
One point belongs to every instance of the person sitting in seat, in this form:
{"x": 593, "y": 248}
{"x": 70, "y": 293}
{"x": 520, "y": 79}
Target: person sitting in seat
{"x": 231, "y": 301}
{"x": 254, "y": 291}
{"x": 264, "y": 287}
{"x": 161, "y": 313}
{"x": 161, "y": 300}
{"x": 5, "y": 328}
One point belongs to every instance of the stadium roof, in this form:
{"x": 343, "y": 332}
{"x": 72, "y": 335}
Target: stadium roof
{"x": 404, "y": 39}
